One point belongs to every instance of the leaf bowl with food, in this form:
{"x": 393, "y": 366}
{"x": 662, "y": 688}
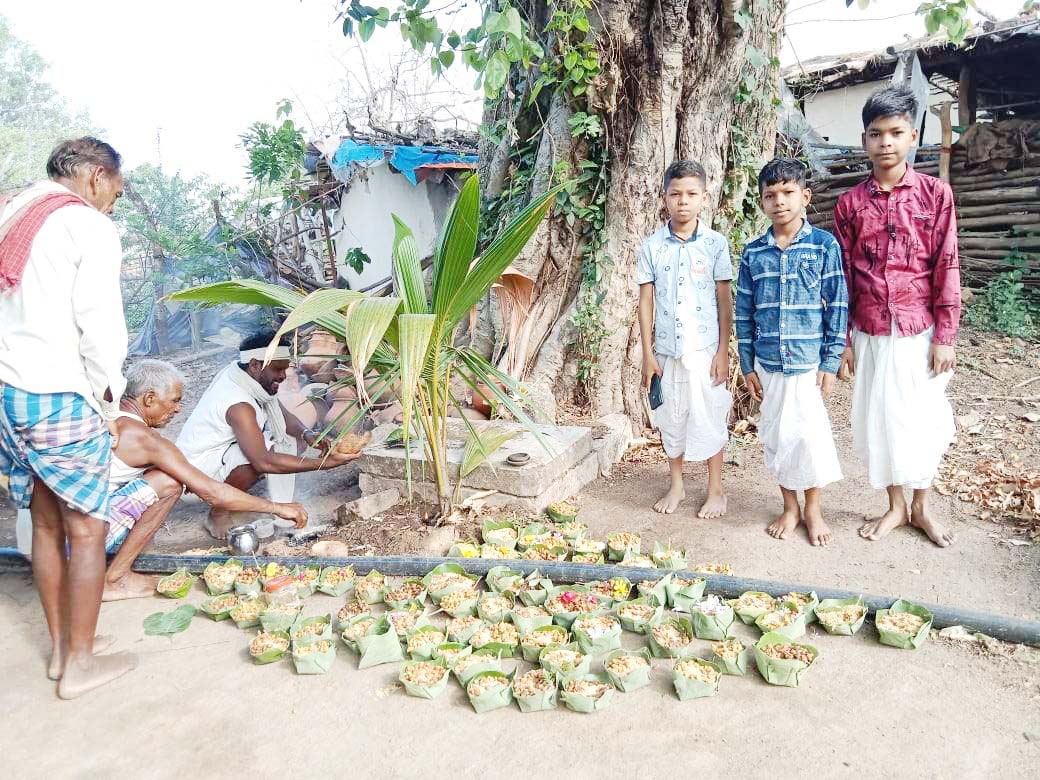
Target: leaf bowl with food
{"x": 842, "y": 617}
{"x": 586, "y": 692}
{"x": 712, "y": 618}
{"x": 730, "y": 656}
{"x": 536, "y": 690}
{"x": 268, "y": 646}
{"x": 904, "y": 625}
{"x": 423, "y": 679}
{"x": 532, "y": 643}
{"x": 781, "y": 661}
{"x": 176, "y": 585}
{"x": 695, "y": 678}
{"x": 489, "y": 690}
{"x": 628, "y": 670}
{"x": 671, "y": 637}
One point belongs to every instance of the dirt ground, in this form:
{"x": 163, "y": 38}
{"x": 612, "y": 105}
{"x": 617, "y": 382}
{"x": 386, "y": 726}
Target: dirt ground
{"x": 197, "y": 707}
{"x": 863, "y": 708}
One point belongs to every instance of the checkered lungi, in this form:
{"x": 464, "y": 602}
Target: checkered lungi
{"x": 59, "y": 439}
{"x": 125, "y": 507}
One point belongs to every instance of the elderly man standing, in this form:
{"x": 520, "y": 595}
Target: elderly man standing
{"x": 62, "y": 346}
{"x": 239, "y": 432}
{"x": 149, "y": 474}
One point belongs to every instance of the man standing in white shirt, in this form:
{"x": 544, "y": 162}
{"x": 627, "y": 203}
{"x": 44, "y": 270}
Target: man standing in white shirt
{"x": 62, "y": 346}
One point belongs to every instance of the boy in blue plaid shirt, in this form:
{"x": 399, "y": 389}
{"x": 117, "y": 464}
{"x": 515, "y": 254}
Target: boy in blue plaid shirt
{"x": 791, "y": 315}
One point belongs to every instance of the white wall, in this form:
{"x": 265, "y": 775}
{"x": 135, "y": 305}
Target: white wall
{"x": 365, "y": 219}
{"x": 836, "y": 114}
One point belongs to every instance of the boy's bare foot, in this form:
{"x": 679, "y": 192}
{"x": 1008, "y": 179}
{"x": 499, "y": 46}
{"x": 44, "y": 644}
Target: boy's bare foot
{"x": 101, "y": 643}
{"x": 937, "y": 532}
{"x": 783, "y": 525}
{"x": 130, "y": 586}
{"x": 879, "y": 528}
{"x": 818, "y": 530}
{"x": 218, "y": 523}
{"x": 670, "y": 501}
{"x": 84, "y": 675}
{"x": 714, "y": 506}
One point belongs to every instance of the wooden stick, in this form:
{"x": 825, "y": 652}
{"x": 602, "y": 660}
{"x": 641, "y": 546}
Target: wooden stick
{"x": 1027, "y": 382}
{"x": 998, "y": 195}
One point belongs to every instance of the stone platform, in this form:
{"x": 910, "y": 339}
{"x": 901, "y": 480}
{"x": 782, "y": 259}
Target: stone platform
{"x": 562, "y": 461}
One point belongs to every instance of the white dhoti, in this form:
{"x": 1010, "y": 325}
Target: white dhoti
{"x": 902, "y": 422}
{"x": 795, "y": 431}
{"x": 280, "y": 487}
{"x": 693, "y": 418}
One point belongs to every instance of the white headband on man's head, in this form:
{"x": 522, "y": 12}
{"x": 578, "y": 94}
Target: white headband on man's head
{"x": 280, "y": 353}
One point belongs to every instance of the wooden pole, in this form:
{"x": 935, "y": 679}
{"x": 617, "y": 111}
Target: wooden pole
{"x": 946, "y": 124}
{"x": 328, "y": 243}
{"x": 967, "y": 98}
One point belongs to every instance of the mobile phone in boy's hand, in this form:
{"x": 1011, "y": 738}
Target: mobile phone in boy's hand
{"x": 656, "y": 395}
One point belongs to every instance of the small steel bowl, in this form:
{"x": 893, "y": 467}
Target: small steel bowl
{"x": 242, "y": 540}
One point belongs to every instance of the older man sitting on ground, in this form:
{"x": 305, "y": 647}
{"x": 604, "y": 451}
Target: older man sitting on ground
{"x": 239, "y": 431}
{"x": 149, "y": 473}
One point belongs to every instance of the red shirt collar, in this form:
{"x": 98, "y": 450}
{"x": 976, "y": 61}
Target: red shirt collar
{"x": 909, "y": 180}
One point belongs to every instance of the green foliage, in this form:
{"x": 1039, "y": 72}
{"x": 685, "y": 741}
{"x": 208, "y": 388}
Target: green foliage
{"x": 276, "y": 151}
{"x": 1005, "y": 305}
{"x": 948, "y": 15}
{"x": 33, "y": 116}
{"x": 172, "y": 622}
{"x": 501, "y": 39}
{"x": 357, "y": 259}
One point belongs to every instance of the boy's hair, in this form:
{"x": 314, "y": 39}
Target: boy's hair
{"x": 684, "y": 169}
{"x": 780, "y": 170}
{"x": 888, "y": 102}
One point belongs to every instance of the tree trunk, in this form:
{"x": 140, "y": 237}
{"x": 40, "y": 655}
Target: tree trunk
{"x": 666, "y": 91}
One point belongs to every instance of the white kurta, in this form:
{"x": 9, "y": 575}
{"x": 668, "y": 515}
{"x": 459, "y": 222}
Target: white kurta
{"x": 208, "y": 441}
{"x": 795, "y": 431}
{"x": 62, "y": 328}
{"x": 902, "y": 422}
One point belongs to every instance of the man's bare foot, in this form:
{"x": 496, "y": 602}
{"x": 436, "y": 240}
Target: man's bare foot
{"x": 877, "y": 529}
{"x": 937, "y": 532}
{"x": 818, "y": 530}
{"x": 217, "y": 523}
{"x": 84, "y": 675}
{"x": 130, "y": 586}
{"x": 783, "y": 525}
{"x": 714, "y": 506}
{"x": 101, "y": 643}
{"x": 670, "y": 501}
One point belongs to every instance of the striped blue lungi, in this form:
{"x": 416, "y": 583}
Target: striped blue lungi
{"x": 59, "y": 439}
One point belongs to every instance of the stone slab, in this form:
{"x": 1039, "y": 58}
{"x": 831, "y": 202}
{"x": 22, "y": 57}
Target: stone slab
{"x": 569, "y": 484}
{"x": 567, "y": 446}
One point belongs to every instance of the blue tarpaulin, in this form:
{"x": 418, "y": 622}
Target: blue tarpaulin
{"x": 406, "y": 159}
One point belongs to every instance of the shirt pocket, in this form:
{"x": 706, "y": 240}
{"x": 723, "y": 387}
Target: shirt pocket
{"x": 810, "y": 269}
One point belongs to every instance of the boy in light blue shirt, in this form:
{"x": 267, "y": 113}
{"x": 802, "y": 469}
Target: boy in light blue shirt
{"x": 685, "y": 315}
{"x": 792, "y": 310}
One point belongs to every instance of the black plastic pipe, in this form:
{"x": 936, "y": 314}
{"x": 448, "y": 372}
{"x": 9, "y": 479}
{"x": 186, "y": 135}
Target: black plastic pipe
{"x": 997, "y": 626}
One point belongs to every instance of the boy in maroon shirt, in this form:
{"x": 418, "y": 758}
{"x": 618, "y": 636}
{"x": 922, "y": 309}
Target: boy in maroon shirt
{"x": 898, "y": 234}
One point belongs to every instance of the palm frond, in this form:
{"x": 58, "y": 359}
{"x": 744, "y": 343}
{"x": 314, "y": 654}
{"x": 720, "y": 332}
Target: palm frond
{"x": 416, "y": 330}
{"x": 456, "y": 246}
{"x": 366, "y": 323}
{"x": 317, "y": 305}
{"x": 480, "y": 445}
{"x": 408, "y": 275}
{"x": 495, "y": 259}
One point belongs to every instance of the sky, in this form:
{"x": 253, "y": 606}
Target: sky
{"x": 177, "y": 83}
